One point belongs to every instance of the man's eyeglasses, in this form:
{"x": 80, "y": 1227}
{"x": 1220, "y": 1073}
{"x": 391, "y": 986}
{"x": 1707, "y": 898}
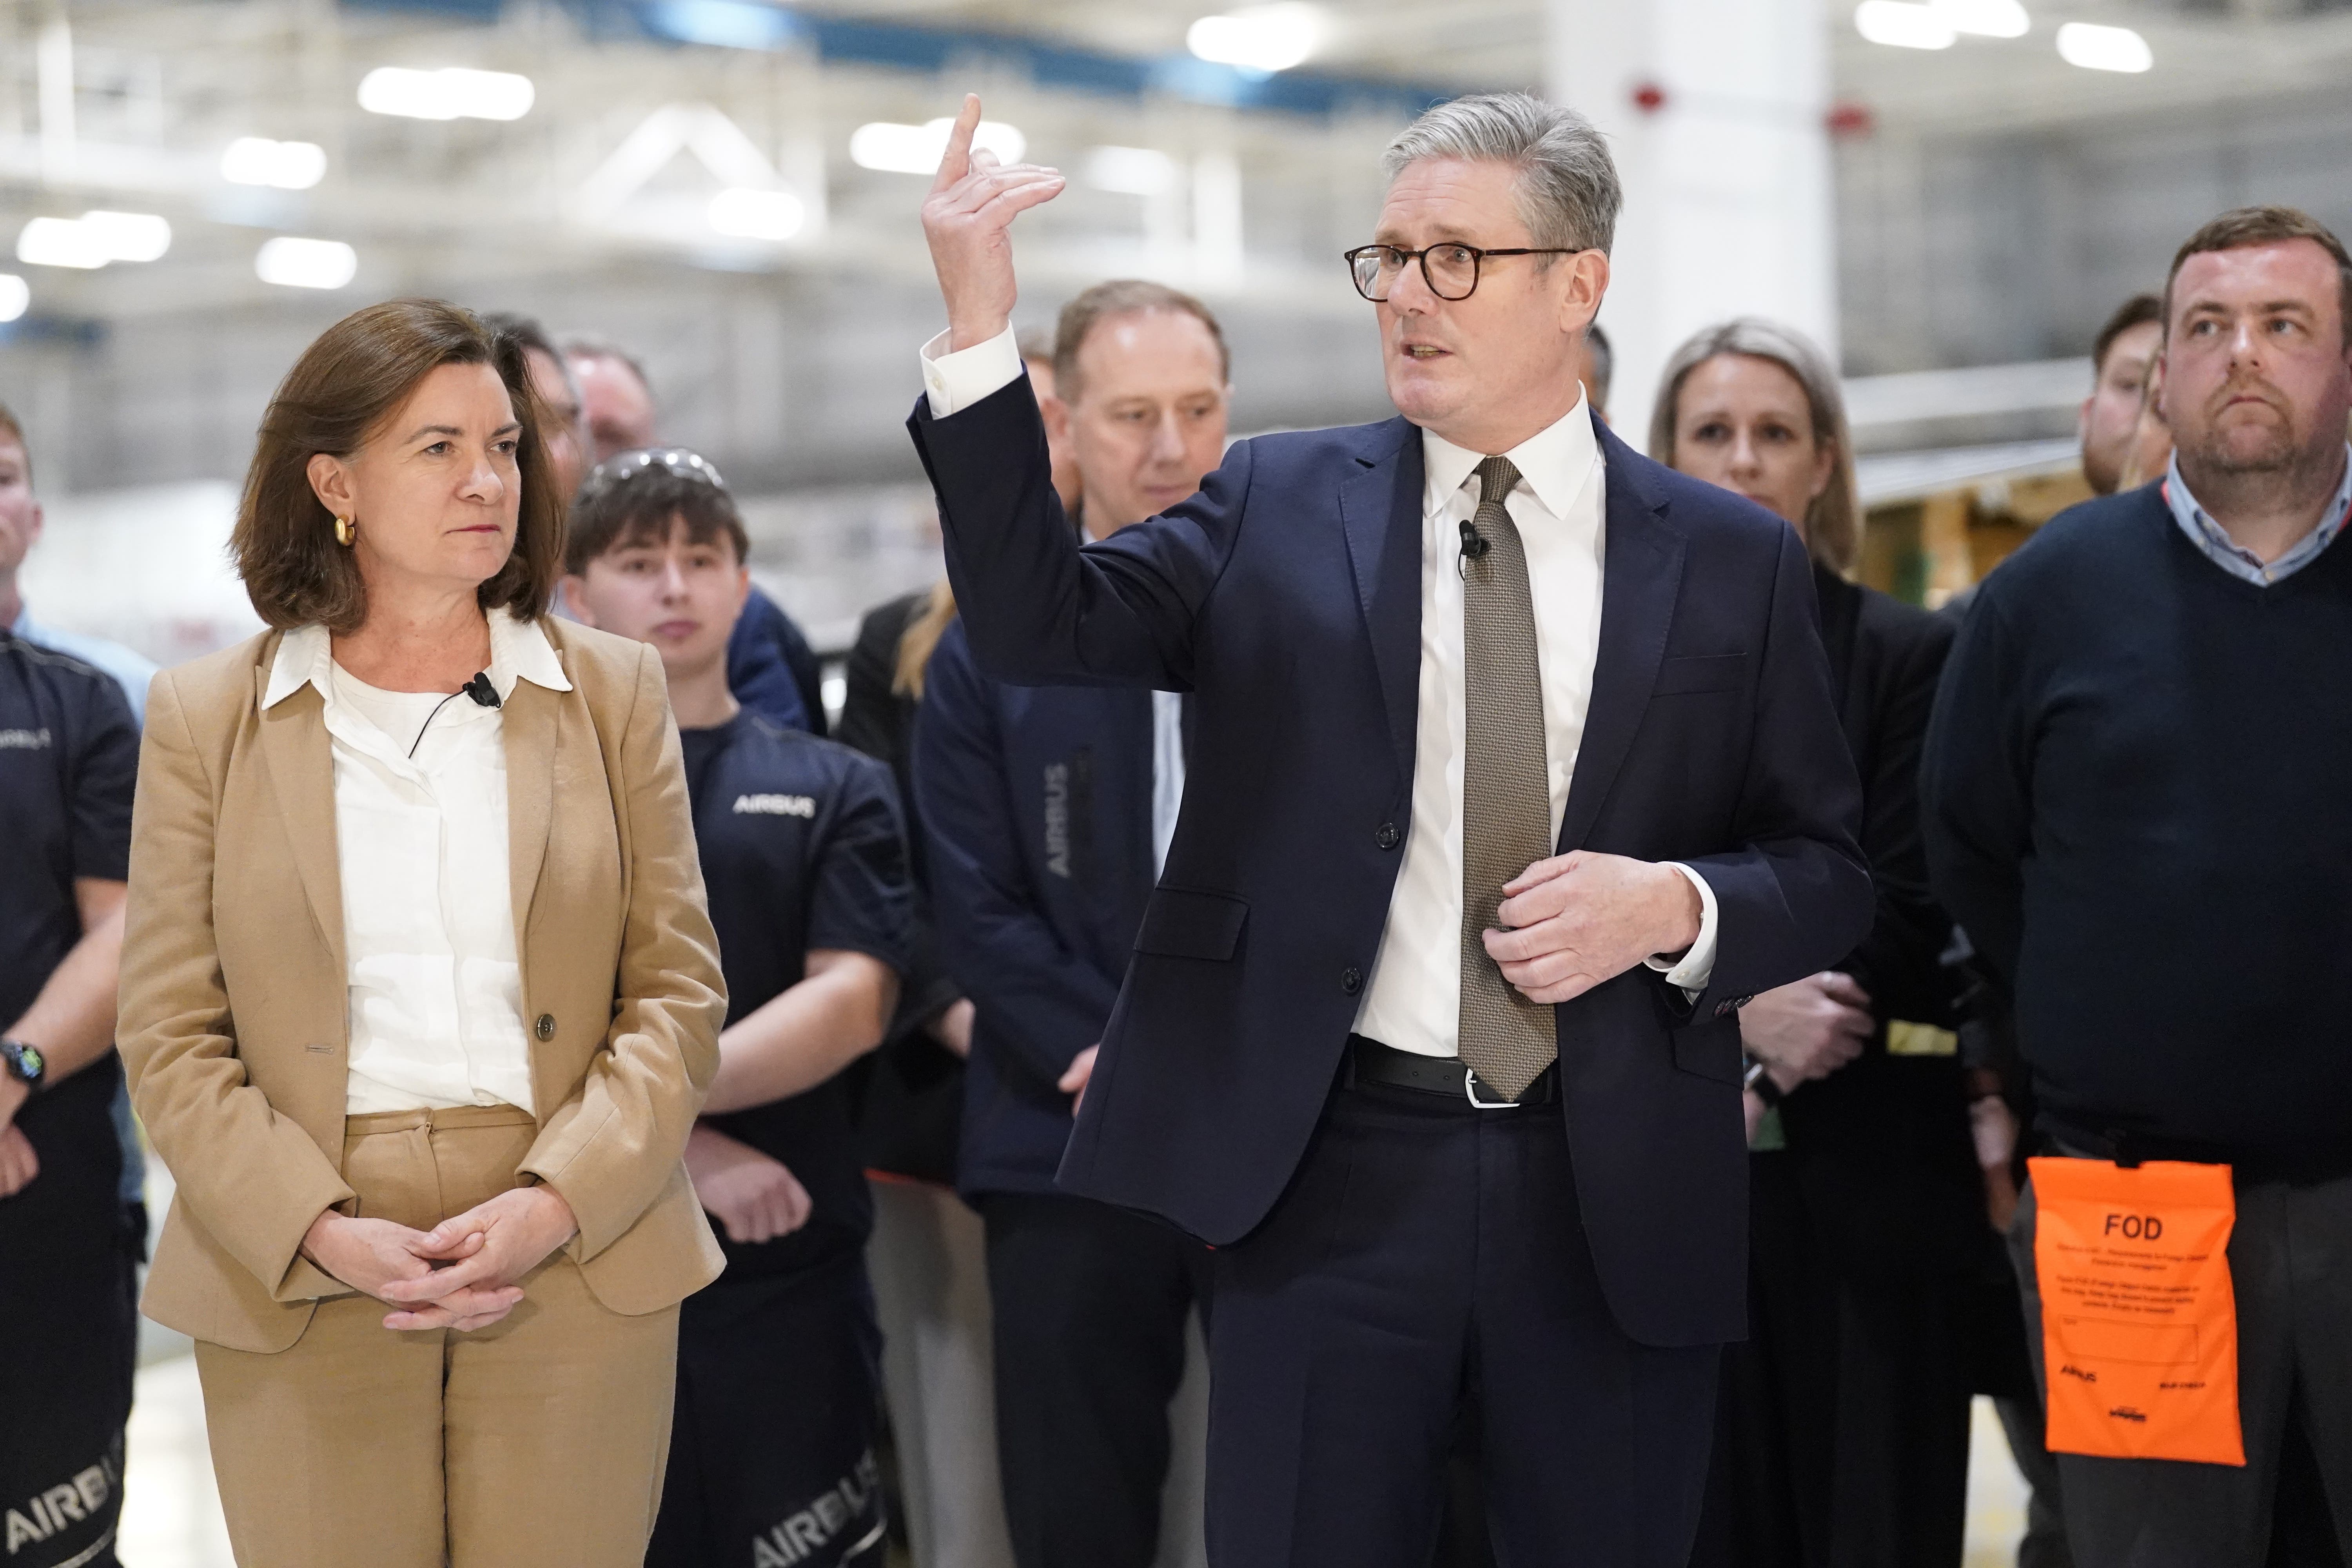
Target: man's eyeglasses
{"x": 1450, "y": 270}
{"x": 622, "y": 467}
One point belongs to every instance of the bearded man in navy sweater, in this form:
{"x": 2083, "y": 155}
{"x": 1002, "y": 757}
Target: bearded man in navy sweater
{"x": 2134, "y": 797}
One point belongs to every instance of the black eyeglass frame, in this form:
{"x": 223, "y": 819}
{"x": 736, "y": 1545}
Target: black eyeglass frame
{"x": 1477, "y": 264}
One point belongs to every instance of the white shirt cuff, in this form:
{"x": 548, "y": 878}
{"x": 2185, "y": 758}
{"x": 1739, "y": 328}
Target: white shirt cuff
{"x": 1691, "y": 971}
{"x": 954, "y": 381}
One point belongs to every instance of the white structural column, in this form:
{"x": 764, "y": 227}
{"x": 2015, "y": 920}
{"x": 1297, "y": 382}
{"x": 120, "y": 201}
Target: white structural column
{"x": 1726, "y": 175}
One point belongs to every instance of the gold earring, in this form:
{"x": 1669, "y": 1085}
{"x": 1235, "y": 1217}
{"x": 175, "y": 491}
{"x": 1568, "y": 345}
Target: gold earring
{"x": 345, "y": 530}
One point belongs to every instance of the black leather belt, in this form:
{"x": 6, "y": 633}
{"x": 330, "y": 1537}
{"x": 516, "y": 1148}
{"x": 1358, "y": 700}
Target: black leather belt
{"x": 1369, "y": 1061}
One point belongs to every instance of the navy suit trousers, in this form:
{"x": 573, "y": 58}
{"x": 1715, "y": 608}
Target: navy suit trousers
{"x": 1428, "y": 1261}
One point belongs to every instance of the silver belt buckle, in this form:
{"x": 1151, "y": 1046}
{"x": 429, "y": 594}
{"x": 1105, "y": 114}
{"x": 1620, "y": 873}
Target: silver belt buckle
{"x": 1470, "y": 1090}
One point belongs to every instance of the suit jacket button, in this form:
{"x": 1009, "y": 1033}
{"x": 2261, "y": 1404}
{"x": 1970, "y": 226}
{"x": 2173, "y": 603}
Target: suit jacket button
{"x": 1388, "y": 837}
{"x": 1352, "y": 980}
{"x": 545, "y": 1027}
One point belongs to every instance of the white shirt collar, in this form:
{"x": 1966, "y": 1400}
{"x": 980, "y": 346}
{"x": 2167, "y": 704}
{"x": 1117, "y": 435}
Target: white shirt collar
{"x": 1554, "y": 463}
{"x": 518, "y": 651}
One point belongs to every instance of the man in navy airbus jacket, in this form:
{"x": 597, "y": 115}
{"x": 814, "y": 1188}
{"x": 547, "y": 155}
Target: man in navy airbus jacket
{"x": 1047, "y": 810}
{"x": 1280, "y": 1075}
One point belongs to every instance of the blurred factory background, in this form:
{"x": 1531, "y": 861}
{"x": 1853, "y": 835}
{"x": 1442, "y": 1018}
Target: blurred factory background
{"x": 1953, "y": 192}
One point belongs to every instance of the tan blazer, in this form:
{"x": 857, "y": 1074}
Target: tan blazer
{"x": 235, "y": 1027}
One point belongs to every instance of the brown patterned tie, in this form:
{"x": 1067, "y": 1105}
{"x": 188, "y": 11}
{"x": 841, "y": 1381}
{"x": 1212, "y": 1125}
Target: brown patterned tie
{"x": 1505, "y": 793}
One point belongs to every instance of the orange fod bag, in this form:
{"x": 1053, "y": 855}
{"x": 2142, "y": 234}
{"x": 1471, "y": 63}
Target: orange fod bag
{"x": 2140, "y": 1323}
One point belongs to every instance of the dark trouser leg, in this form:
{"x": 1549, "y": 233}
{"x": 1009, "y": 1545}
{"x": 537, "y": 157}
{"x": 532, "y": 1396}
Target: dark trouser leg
{"x": 1337, "y": 1356}
{"x": 66, "y": 1292}
{"x": 2319, "y": 1237}
{"x": 2162, "y": 1513}
{"x": 772, "y": 1452}
{"x": 2044, "y": 1545}
{"x": 1089, "y": 1304}
{"x": 1596, "y": 1445}
{"x": 1421, "y": 1245}
{"x": 1769, "y": 1483}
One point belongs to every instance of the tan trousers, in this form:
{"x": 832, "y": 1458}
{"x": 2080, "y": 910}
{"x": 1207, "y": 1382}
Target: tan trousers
{"x": 535, "y": 1443}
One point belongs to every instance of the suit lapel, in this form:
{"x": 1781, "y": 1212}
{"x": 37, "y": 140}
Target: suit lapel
{"x": 302, "y": 764}
{"x": 530, "y": 722}
{"x": 1380, "y": 508}
{"x": 1642, "y": 570}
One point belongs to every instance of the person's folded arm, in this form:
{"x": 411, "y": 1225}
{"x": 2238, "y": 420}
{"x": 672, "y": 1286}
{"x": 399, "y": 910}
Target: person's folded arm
{"x": 611, "y": 1148}
{"x": 1041, "y": 608}
{"x": 253, "y": 1179}
{"x": 1038, "y": 997}
{"x": 1975, "y": 808}
{"x": 1796, "y": 896}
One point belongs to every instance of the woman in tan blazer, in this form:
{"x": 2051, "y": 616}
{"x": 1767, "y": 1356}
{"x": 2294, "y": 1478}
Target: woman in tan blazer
{"x": 419, "y": 993}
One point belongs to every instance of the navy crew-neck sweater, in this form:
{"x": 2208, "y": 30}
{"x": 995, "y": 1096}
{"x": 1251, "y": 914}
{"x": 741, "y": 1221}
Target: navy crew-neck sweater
{"x": 2137, "y": 799}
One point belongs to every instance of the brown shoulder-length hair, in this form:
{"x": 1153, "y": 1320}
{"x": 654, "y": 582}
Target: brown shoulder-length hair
{"x": 337, "y": 396}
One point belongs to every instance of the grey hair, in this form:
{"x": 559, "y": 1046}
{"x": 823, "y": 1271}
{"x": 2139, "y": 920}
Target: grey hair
{"x": 1568, "y": 194}
{"x": 1834, "y": 522}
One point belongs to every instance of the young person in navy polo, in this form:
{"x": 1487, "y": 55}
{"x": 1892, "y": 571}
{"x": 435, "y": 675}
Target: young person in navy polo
{"x": 771, "y": 1457}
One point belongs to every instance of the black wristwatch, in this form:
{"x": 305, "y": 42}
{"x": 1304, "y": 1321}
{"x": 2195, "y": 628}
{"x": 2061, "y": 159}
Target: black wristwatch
{"x": 1759, "y": 1079}
{"x": 24, "y": 1063}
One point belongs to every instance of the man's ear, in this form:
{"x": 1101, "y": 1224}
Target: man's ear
{"x": 1056, "y": 415}
{"x": 1587, "y": 281}
{"x": 330, "y": 481}
{"x": 574, "y": 590}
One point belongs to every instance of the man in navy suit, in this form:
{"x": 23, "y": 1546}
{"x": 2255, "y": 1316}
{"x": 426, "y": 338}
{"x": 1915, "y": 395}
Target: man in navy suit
{"x": 1513, "y": 771}
{"x": 1049, "y": 810}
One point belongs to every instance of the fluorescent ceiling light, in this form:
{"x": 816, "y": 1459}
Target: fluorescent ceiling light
{"x": 258, "y": 160}
{"x": 749, "y": 213}
{"x": 2098, "y": 48}
{"x": 1257, "y": 37}
{"x": 14, "y": 297}
{"x": 450, "y": 93}
{"x": 59, "y": 242}
{"x": 127, "y": 236}
{"x": 1136, "y": 171}
{"x": 917, "y": 149}
{"x": 306, "y": 263}
{"x": 93, "y": 239}
{"x": 1902, "y": 24}
{"x": 1985, "y": 19}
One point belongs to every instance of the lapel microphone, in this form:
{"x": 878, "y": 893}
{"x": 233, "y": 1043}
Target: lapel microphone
{"x": 1475, "y": 544}
{"x": 481, "y": 690}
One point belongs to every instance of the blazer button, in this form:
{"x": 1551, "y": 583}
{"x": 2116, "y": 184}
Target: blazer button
{"x": 1388, "y": 837}
{"x": 1352, "y": 980}
{"x": 545, "y": 1027}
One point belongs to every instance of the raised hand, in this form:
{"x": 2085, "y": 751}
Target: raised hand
{"x": 968, "y": 220}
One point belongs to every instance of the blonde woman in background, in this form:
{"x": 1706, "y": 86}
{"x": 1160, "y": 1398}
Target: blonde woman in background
{"x": 1843, "y": 1420}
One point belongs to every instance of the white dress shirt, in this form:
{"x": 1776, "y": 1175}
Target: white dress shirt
{"x": 1166, "y": 773}
{"x": 435, "y": 985}
{"x": 1414, "y": 1000}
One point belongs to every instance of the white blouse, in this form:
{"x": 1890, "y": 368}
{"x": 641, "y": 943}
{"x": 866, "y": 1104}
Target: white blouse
{"x": 434, "y": 986}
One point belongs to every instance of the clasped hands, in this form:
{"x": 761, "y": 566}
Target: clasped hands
{"x": 462, "y": 1274}
{"x": 1569, "y": 923}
